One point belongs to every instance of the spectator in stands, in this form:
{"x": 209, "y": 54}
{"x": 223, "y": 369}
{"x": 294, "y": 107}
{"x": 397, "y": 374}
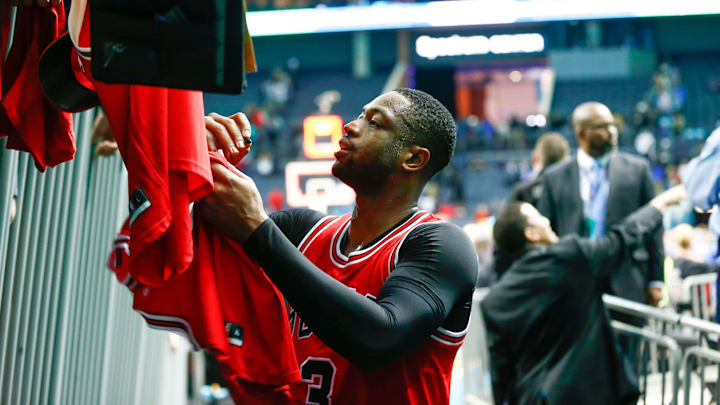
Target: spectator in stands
{"x": 102, "y": 136}
{"x": 548, "y": 334}
{"x": 597, "y": 190}
{"x": 276, "y": 91}
{"x": 551, "y": 148}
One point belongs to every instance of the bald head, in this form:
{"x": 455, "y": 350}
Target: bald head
{"x": 587, "y": 110}
{"x": 595, "y": 128}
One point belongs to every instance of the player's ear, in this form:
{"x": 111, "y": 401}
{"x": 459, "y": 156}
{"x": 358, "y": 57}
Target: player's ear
{"x": 415, "y": 158}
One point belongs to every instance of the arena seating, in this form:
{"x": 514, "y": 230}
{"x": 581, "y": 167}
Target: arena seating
{"x": 354, "y": 92}
{"x": 620, "y": 94}
{"x": 698, "y": 72}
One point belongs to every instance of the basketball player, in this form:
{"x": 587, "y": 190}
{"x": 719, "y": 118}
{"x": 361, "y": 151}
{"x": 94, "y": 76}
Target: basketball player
{"x": 381, "y": 296}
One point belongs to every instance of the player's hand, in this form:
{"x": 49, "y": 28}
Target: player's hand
{"x": 231, "y": 135}
{"x": 235, "y": 206}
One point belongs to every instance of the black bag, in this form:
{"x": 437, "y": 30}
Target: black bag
{"x": 188, "y": 44}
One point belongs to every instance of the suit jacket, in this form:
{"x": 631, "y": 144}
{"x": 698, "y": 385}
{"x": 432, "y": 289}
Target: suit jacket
{"x": 549, "y": 336}
{"x": 529, "y": 191}
{"x": 631, "y": 186}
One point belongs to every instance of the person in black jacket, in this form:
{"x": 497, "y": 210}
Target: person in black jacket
{"x": 549, "y": 336}
{"x": 551, "y": 148}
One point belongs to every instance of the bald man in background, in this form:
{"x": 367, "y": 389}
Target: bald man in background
{"x": 597, "y": 190}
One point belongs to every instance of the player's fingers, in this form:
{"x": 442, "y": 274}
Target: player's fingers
{"x": 230, "y": 175}
{"x": 244, "y": 125}
{"x": 56, "y": 2}
{"x": 210, "y": 141}
{"x": 219, "y": 131}
{"x": 232, "y": 128}
{"x": 220, "y": 172}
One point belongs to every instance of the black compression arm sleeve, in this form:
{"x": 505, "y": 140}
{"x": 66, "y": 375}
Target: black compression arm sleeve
{"x": 413, "y": 302}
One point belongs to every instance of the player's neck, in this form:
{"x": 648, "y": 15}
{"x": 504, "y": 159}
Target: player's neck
{"x": 374, "y": 216}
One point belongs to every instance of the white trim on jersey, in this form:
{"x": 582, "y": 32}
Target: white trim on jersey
{"x": 447, "y": 342}
{"x": 82, "y": 56}
{"x": 393, "y": 259}
{"x": 455, "y": 334}
{"x": 186, "y": 331}
{"x": 139, "y": 210}
{"x": 75, "y": 19}
{"x": 314, "y": 227}
{"x": 180, "y": 331}
{"x": 442, "y": 335}
{"x": 411, "y": 223}
{"x": 336, "y": 240}
{"x": 125, "y": 246}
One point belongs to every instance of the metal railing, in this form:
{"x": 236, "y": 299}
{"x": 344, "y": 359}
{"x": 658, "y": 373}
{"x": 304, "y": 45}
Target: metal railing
{"x": 660, "y": 357}
{"x": 674, "y": 368}
{"x": 695, "y": 337}
{"x": 68, "y": 334}
{"x": 696, "y": 362}
{"x": 700, "y": 292}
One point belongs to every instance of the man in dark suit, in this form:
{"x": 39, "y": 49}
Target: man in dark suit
{"x": 549, "y": 337}
{"x": 595, "y": 191}
{"x": 551, "y": 148}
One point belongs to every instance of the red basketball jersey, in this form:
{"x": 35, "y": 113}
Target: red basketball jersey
{"x": 30, "y": 120}
{"x": 226, "y": 304}
{"x": 160, "y": 133}
{"x": 420, "y": 377}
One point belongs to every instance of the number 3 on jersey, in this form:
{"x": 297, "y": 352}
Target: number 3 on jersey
{"x": 321, "y": 370}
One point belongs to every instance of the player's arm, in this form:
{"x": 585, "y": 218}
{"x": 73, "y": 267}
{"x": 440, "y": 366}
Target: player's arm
{"x": 295, "y": 223}
{"x": 437, "y": 269}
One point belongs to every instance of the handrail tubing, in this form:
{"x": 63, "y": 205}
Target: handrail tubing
{"x": 646, "y": 311}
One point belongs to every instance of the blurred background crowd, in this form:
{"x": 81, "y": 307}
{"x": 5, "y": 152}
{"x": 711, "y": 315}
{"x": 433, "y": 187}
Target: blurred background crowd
{"x": 658, "y": 77}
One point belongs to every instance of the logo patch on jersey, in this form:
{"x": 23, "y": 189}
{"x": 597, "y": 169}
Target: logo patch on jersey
{"x": 139, "y": 202}
{"x": 235, "y": 333}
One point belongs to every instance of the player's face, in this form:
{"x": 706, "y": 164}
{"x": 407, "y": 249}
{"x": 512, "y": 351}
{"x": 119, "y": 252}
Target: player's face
{"x": 369, "y": 150}
{"x": 542, "y": 231}
{"x": 598, "y": 133}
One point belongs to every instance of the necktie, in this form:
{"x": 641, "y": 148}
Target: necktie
{"x": 598, "y": 201}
